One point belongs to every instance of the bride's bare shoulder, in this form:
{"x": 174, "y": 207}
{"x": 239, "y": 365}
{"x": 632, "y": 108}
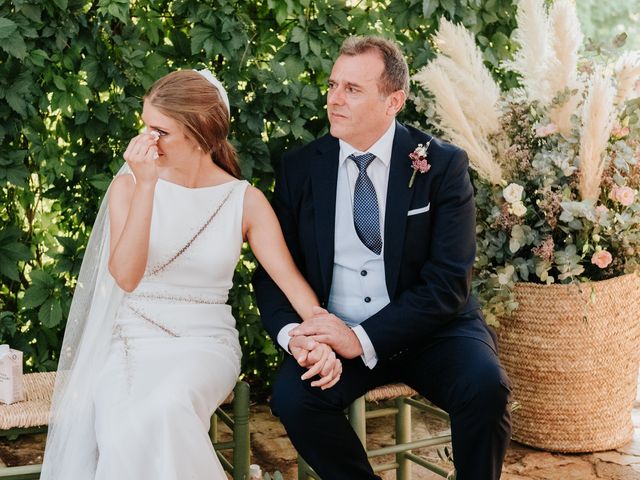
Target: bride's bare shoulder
{"x": 254, "y": 198}
{"x": 256, "y": 209}
{"x": 123, "y": 184}
{"x": 121, "y": 190}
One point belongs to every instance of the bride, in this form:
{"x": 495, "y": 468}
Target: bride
{"x": 151, "y": 349}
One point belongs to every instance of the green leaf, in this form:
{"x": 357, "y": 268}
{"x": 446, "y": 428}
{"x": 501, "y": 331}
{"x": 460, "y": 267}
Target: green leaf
{"x": 7, "y": 324}
{"x": 449, "y": 6}
{"x": 180, "y": 42}
{"x": 199, "y": 35}
{"x": 117, "y": 8}
{"x": 297, "y": 34}
{"x": 12, "y": 251}
{"x": 429, "y": 7}
{"x": 315, "y": 46}
{"x": 7, "y": 28}
{"x": 309, "y": 93}
{"x": 16, "y": 102}
{"x": 15, "y": 46}
{"x": 42, "y": 278}
{"x": 38, "y": 57}
{"x": 304, "y": 47}
{"x": 101, "y": 181}
{"x": 61, "y": 4}
{"x": 58, "y": 81}
{"x": 12, "y": 167}
{"x": 101, "y": 112}
{"x": 281, "y": 12}
{"x": 50, "y": 313}
{"x": 81, "y": 118}
{"x": 278, "y": 70}
{"x": 35, "y": 295}
{"x": 294, "y": 67}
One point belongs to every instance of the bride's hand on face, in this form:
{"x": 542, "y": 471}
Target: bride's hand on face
{"x": 141, "y": 155}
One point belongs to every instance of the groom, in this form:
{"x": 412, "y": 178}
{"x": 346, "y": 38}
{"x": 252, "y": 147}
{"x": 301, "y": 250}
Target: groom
{"x": 391, "y": 263}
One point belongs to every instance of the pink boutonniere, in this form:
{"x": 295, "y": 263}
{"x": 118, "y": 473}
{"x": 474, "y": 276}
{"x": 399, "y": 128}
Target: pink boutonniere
{"x": 419, "y": 161}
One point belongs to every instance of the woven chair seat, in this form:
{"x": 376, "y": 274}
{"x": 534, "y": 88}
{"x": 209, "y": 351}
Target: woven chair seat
{"x": 33, "y": 411}
{"x": 229, "y": 399}
{"x": 389, "y": 392}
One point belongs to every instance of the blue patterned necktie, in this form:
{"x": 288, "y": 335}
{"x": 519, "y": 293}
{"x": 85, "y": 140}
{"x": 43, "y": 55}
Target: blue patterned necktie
{"x": 366, "y": 213}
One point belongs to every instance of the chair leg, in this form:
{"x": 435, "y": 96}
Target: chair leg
{"x": 25, "y": 472}
{"x": 241, "y": 436}
{"x": 305, "y": 472}
{"x": 213, "y": 428}
{"x": 357, "y": 418}
{"x": 403, "y": 436}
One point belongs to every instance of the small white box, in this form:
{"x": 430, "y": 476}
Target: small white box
{"x": 11, "y": 389}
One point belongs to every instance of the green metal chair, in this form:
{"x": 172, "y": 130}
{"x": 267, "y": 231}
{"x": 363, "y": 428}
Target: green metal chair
{"x": 239, "y": 426}
{"x": 403, "y": 397}
{"x": 32, "y": 415}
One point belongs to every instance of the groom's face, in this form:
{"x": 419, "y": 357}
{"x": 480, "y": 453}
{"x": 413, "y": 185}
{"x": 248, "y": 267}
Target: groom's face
{"x": 358, "y": 112}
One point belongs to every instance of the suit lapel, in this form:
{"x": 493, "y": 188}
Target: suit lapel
{"x": 398, "y": 200}
{"x": 324, "y": 181}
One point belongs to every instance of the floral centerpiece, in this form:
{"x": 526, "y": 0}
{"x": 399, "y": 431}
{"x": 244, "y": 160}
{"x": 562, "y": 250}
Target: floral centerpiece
{"x": 556, "y": 169}
{"x": 556, "y": 160}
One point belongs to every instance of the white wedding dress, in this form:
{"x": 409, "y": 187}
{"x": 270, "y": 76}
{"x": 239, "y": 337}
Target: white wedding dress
{"x": 175, "y": 354}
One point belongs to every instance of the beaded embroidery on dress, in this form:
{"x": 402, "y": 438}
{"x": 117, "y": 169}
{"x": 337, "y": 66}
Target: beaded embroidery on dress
{"x": 175, "y": 354}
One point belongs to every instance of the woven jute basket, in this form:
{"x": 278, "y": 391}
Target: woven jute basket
{"x": 572, "y": 354}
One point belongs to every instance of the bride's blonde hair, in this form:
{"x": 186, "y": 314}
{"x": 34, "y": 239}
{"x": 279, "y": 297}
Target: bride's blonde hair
{"x": 191, "y": 100}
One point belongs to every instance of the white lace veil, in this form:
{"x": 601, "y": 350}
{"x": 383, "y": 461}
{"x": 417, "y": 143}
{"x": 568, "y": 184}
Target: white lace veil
{"x": 71, "y": 449}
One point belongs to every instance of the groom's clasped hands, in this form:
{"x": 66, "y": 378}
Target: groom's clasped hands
{"x": 317, "y": 343}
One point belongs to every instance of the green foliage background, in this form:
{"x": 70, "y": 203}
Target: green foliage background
{"x": 602, "y": 21}
{"x": 72, "y": 73}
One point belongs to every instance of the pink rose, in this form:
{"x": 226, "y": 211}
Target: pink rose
{"x": 601, "y": 209}
{"x": 602, "y": 259}
{"x": 546, "y": 130}
{"x": 624, "y": 195}
{"x": 619, "y": 131}
{"x": 421, "y": 165}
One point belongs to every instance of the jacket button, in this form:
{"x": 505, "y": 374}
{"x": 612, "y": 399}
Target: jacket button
{"x": 367, "y": 299}
{"x": 363, "y": 273}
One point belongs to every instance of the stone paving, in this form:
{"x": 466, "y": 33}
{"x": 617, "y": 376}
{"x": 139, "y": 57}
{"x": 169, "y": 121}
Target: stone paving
{"x": 272, "y": 450}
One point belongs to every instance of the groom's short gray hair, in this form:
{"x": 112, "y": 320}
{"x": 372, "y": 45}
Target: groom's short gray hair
{"x": 396, "y": 73}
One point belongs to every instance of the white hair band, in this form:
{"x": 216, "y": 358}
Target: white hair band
{"x": 216, "y": 83}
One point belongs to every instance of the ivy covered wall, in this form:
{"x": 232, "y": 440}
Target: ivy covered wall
{"x": 72, "y": 74}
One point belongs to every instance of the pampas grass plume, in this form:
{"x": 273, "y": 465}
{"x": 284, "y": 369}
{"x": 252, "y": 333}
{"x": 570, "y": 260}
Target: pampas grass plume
{"x": 566, "y": 41}
{"x": 461, "y": 59}
{"x": 455, "y": 124}
{"x": 627, "y": 73}
{"x": 597, "y": 123}
{"x": 534, "y": 59}
{"x": 566, "y": 38}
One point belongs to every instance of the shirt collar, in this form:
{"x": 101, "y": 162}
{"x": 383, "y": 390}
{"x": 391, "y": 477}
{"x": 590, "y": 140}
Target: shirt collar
{"x": 381, "y": 148}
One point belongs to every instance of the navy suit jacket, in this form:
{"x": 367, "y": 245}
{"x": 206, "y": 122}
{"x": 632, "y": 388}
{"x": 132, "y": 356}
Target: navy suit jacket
{"x": 428, "y": 257}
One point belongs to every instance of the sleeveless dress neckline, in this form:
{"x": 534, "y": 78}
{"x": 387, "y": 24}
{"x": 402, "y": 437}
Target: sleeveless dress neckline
{"x": 231, "y": 182}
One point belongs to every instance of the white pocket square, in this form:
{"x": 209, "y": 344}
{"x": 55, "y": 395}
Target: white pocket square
{"x": 417, "y": 211}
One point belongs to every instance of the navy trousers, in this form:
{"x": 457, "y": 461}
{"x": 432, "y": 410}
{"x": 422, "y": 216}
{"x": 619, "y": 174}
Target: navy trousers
{"x": 461, "y": 375}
